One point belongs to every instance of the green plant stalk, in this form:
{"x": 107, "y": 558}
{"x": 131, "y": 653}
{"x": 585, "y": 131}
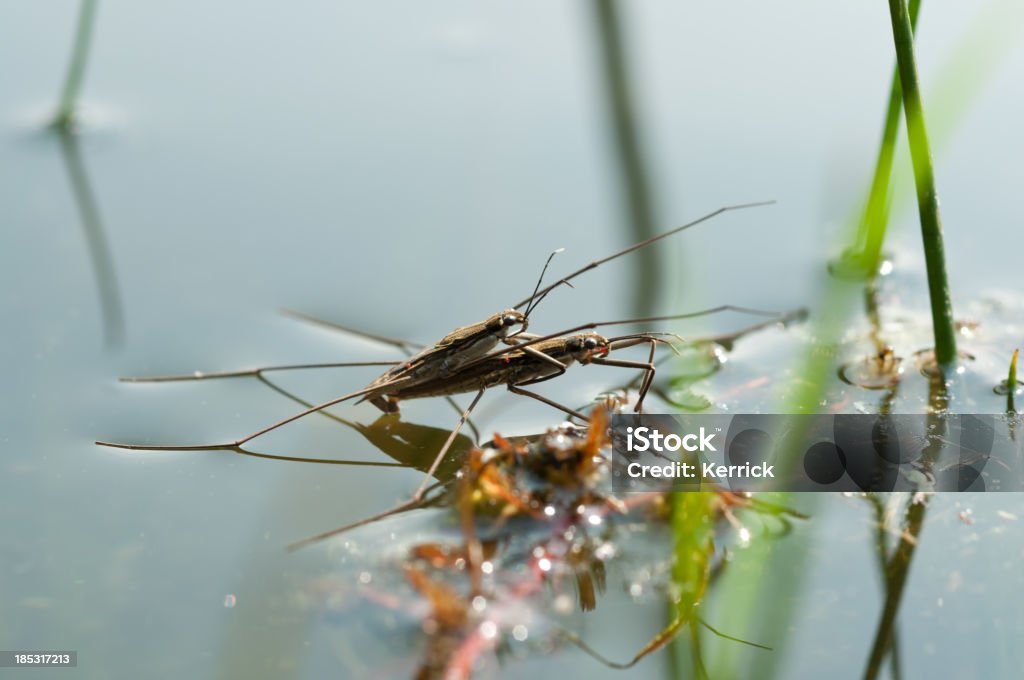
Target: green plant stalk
{"x": 693, "y": 526}
{"x": 924, "y": 179}
{"x": 76, "y": 67}
{"x": 1011, "y": 378}
{"x": 875, "y": 220}
{"x": 1011, "y": 383}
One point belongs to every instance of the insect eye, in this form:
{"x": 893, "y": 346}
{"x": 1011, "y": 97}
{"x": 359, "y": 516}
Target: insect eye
{"x": 510, "y": 320}
{"x": 590, "y": 343}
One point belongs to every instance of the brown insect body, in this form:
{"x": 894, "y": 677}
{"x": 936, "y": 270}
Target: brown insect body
{"x": 516, "y": 367}
{"x": 439, "y": 361}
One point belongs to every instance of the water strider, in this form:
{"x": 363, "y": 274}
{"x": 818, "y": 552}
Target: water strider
{"x": 462, "y": 346}
{"x": 463, "y": 362}
{"x": 519, "y": 364}
{"x": 531, "y": 362}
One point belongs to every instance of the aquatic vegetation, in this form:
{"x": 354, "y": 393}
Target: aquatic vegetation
{"x": 924, "y": 177}
{"x": 537, "y": 523}
{"x": 517, "y": 548}
{"x": 864, "y": 259}
{"x": 64, "y": 119}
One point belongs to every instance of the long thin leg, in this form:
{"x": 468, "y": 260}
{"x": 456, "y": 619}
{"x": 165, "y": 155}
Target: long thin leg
{"x": 447, "y": 445}
{"x": 728, "y": 340}
{"x": 650, "y": 375}
{"x": 251, "y": 372}
{"x": 394, "y": 342}
{"x": 549, "y": 402}
{"x": 330, "y": 416}
{"x": 406, "y": 346}
{"x": 411, "y": 504}
{"x": 536, "y": 353}
{"x": 403, "y": 461}
{"x": 657, "y": 642}
{"x": 322, "y": 461}
{"x": 238, "y": 442}
{"x": 417, "y": 497}
{"x": 647, "y": 367}
{"x": 660, "y": 640}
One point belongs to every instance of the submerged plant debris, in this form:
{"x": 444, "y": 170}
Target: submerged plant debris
{"x": 529, "y": 534}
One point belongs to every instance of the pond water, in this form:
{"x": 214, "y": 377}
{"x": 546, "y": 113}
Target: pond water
{"x": 405, "y": 169}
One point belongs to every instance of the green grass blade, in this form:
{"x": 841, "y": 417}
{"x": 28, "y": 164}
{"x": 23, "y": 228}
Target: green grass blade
{"x": 924, "y": 180}
{"x": 76, "y": 67}
{"x": 875, "y": 220}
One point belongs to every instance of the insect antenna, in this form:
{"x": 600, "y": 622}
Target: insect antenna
{"x": 637, "y": 246}
{"x": 534, "y": 300}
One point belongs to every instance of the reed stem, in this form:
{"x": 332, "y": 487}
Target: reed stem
{"x": 875, "y": 220}
{"x": 1011, "y": 383}
{"x": 924, "y": 179}
{"x": 76, "y": 67}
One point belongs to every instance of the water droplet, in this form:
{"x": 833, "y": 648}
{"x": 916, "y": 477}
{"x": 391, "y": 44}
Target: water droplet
{"x": 365, "y": 577}
{"x": 520, "y": 633}
{"x": 489, "y": 629}
{"x": 479, "y": 603}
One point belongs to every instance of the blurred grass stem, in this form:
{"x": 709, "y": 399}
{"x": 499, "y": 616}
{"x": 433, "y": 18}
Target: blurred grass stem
{"x": 875, "y": 220}
{"x": 64, "y": 118}
{"x": 629, "y": 151}
{"x": 1011, "y": 383}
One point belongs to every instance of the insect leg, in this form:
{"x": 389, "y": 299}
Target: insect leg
{"x": 411, "y": 504}
{"x": 648, "y": 368}
{"x": 406, "y": 345}
{"x": 447, "y": 445}
{"x": 657, "y": 642}
{"x": 418, "y": 497}
{"x": 251, "y": 372}
{"x": 533, "y": 395}
{"x": 233, "y": 445}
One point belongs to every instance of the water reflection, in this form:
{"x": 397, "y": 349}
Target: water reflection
{"x": 95, "y": 238}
